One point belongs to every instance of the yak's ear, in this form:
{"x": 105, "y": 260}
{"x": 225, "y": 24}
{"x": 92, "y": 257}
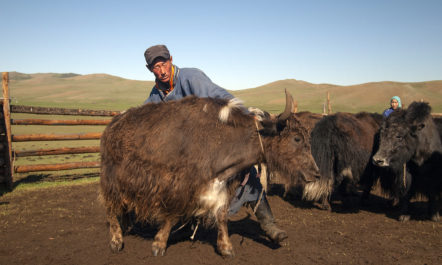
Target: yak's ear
{"x": 281, "y": 124}
{"x": 268, "y": 128}
{"x": 415, "y": 128}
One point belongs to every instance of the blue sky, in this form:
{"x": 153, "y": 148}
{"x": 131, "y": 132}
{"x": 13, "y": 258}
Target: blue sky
{"x": 238, "y": 44}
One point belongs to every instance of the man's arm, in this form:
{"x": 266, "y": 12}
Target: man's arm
{"x": 203, "y": 87}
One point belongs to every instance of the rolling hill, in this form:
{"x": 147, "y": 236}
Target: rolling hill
{"x": 102, "y": 91}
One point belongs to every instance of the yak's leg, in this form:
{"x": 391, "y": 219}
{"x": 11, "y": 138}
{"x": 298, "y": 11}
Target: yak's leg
{"x": 404, "y": 216}
{"x": 434, "y": 206}
{"x": 126, "y": 222}
{"x": 116, "y": 243}
{"x": 405, "y": 197}
{"x": 347, "y": 188}
{"x": 160, "y": 242}
{"x": 367, "y": 185}
{"x": 324, "y": 203}
{"x": 223, "y": 243}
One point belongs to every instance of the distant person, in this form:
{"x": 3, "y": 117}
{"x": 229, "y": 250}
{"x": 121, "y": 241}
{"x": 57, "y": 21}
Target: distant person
{"x": 173, "y": 83}
{"x": 395, "y": 103}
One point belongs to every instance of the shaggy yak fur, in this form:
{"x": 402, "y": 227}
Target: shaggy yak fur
{"x": 342, "y": 145}
{"x": 170, "y": 162}
{"x": 308, "y": 119}
{"x": 438, "y": 122}
{"x": 410, "y": 144}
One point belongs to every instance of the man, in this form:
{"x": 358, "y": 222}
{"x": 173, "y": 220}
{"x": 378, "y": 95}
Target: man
{"x": 173, "y": 83}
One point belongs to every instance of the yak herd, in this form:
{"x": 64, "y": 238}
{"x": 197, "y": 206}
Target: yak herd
{"x": 172, "y": 162}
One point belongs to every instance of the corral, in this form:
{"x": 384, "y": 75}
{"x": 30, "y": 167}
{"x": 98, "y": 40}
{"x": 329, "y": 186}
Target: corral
{"x": 67, "y": 225}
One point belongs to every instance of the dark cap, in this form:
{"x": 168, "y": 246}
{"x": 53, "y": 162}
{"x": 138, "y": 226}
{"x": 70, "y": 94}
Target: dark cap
{"x": 154, "y": 52}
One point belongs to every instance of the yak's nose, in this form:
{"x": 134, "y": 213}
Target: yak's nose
{"x": 311, "y": 175}
{"x": 380, "y": 161}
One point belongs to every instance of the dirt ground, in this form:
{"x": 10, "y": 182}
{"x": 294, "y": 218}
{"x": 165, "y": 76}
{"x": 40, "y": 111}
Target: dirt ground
{"x": 66, "y": 225}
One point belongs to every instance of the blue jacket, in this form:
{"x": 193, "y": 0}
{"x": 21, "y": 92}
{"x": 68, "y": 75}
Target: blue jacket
{"x": 387, "y": 112}
{"x": 189, "y": 81}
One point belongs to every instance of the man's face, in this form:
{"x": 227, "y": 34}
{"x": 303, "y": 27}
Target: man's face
{"x": 162, "y": 69}
{"x": 394, "y": 104}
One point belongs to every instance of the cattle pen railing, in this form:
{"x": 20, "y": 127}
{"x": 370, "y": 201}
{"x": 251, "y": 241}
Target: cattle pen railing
{"x": 56, "y": 137}
{"x": 8, "y": 153}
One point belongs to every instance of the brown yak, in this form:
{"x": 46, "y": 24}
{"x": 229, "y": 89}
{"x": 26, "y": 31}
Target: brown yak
{"x": 169, "y": 162}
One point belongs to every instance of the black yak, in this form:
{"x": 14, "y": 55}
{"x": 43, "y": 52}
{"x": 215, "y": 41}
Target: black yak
{"x": 342, "y": 145}
{"x": 410, "y": 144}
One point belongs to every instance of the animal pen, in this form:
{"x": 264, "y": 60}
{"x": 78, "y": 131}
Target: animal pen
{"x": 8, "y": 154}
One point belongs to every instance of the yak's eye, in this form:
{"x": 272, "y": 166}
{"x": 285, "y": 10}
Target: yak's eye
{"x": 298, "y": 139}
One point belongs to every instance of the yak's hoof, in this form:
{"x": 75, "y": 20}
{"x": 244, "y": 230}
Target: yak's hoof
{"x": 227, "y": 253}
{"x": 393, "y": 203}
{"x": 435, "y": 217}
{"x": 116, "y": 245}
{"x": 404, "y": 218}
{"x": 157, "y": 250}
{"x": 322, "y": 206}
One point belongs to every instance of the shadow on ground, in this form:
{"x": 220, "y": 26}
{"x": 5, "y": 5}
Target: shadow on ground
{"x": 38, "y": 178}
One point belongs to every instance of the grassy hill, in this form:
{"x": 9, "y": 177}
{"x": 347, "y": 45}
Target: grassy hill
{"x": 95, "y": 91}
{"x": 101, "y": 91}
{"x": 372, "y": 97}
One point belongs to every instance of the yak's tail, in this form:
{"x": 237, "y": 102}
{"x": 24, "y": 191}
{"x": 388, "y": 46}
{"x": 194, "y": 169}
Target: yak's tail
{"x": 323, "y": 153}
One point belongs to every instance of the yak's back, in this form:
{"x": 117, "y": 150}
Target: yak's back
{"x": 156, "y": 126}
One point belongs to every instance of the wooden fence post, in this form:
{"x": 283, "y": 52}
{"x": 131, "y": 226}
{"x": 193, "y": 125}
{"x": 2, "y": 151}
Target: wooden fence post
{"x": 8, "y": 167}
{"x": 294, "y": 106}
{"x": 329, "y": 111}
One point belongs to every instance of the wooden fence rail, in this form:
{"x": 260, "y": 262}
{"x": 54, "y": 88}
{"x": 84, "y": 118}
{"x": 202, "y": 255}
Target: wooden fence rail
{"x": 62, "y": 111}
{"x": 57, "y": 151}
{"x": 56, "y": 137}
{"x": 58, "y": 122}
{"x": 55, "y": 167}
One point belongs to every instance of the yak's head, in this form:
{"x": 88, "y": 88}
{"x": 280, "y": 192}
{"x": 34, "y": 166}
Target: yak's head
{"x": 287, "y": 146}
{"x": 402, "y": 136}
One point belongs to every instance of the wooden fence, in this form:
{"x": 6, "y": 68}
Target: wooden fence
{"x": 8, "y": 154}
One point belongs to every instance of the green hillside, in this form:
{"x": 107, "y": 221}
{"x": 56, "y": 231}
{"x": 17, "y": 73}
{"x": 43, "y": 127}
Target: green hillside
{"x": 372, "y": 97}
{"x": 101, "y": 91}
{"x": 95, "y": 91}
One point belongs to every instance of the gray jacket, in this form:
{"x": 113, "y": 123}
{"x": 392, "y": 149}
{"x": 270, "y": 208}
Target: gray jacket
{"x": 189, "y": 81}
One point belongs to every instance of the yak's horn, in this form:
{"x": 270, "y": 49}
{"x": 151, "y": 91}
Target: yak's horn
{"x": 288, "y": 106}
